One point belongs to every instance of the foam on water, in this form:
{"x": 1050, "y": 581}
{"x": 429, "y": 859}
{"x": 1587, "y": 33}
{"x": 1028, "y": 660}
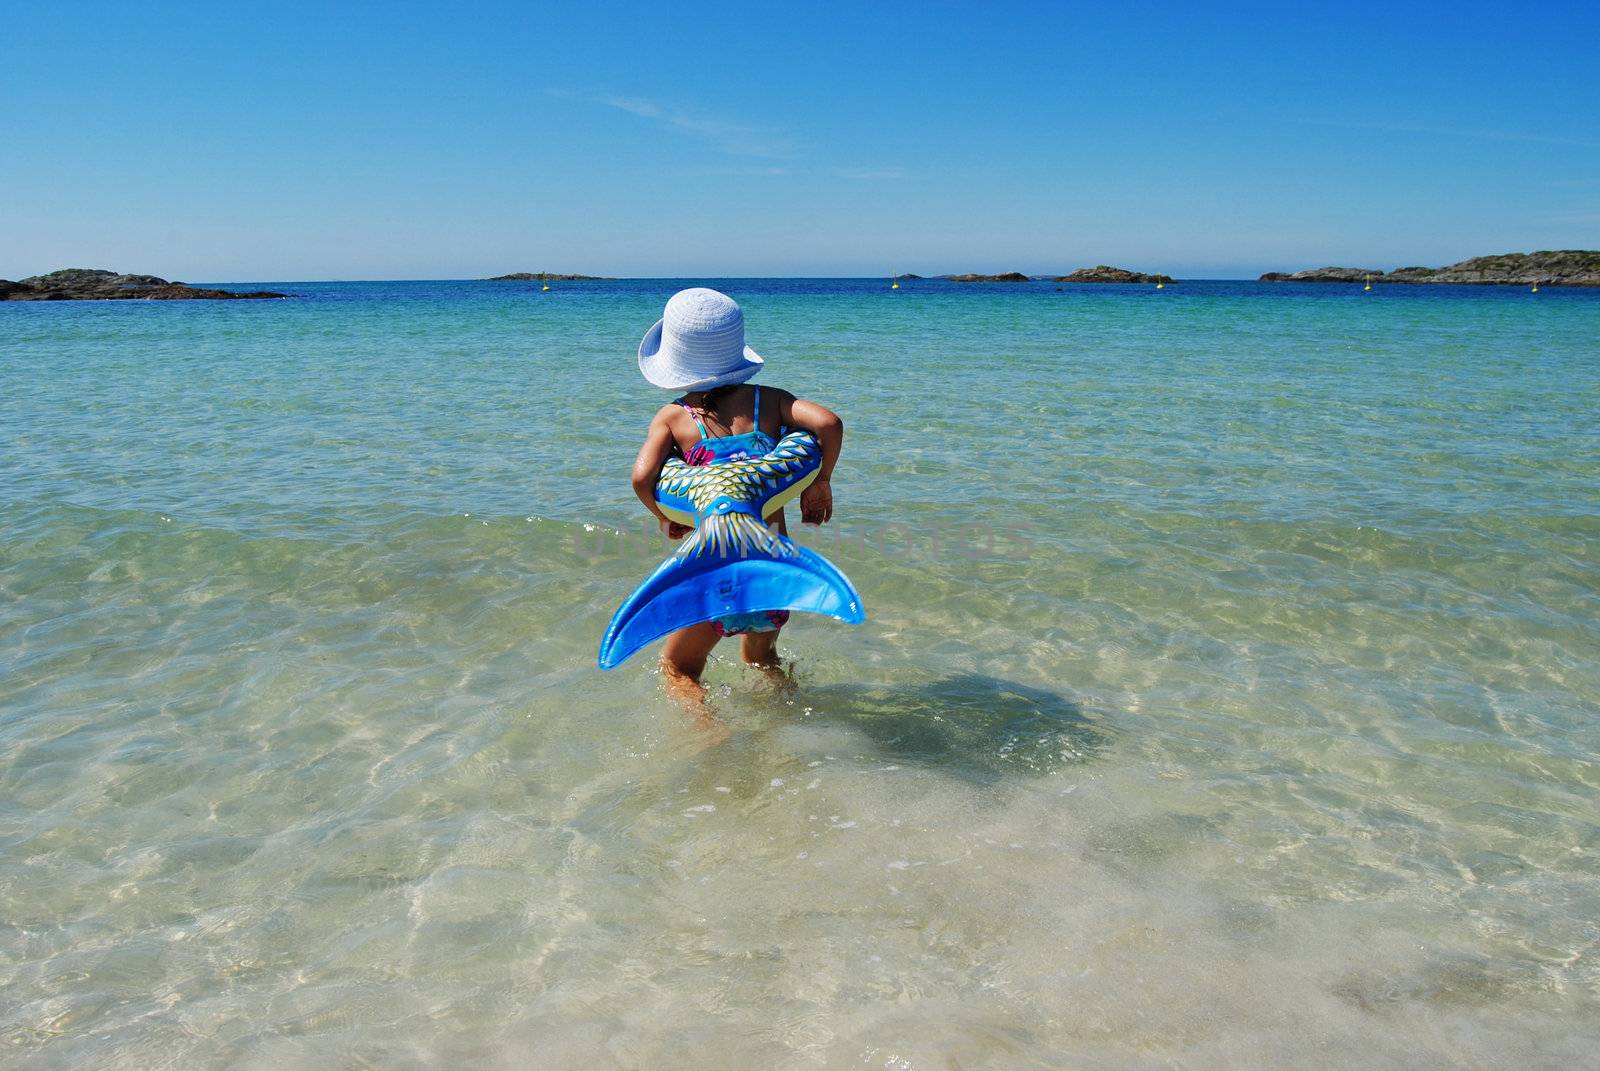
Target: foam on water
{"x": 1227, "y": 698}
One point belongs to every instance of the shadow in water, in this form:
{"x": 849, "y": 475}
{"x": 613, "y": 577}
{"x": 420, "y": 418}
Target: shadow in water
{"x": 977, "y": 727}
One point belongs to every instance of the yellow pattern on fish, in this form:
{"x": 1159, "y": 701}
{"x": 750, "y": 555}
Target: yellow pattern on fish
{"x": 727, "y": 501}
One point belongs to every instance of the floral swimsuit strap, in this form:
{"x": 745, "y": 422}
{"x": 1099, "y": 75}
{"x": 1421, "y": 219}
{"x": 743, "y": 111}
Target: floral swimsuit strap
{"x": 713, "y": 448}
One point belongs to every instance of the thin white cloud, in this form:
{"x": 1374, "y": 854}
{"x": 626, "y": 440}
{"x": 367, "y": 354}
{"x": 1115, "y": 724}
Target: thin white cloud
{"x": 746, "y": 172}
{"x": 1434, "y": 130}
{"x": 870, "y": 174}
{"x": 734, "y": 138}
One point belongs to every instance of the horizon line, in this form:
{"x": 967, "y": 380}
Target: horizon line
{"x": 943, "y": 276}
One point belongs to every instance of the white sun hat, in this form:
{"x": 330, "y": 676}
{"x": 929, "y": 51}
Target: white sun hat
{"x": 698, "y": 343}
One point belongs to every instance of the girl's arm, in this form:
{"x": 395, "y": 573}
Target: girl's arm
{"x": 647, "y": 469}
{"x": 816, "y": 501}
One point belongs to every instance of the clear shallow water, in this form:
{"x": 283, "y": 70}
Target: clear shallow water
{"x": 1228, "y": 694}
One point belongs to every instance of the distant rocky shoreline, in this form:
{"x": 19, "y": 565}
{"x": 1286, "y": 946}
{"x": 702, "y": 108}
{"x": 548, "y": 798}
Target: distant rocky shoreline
{"x": 1104, "y": 273}
{"x": 1564, "y": 267}
{"x": 550, "y": 276}
{"x": 98, "y": 284}
{"x": 1558, "y": 267}
{"x": 1003, "y": 277}
{"x": 1100, "y": 273}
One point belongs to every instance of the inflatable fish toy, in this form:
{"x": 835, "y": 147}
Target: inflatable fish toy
{"x": 732, "y": 563}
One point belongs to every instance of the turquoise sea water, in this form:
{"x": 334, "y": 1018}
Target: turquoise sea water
{"x": 1228, "y": 695}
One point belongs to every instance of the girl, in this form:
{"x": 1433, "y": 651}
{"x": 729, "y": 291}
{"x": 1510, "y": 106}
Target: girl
{"x": 697, "y": 347}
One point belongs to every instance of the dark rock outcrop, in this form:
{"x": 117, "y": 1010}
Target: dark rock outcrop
{"x": 97, "y": 284}
{"x": 1551, "y": 267}
{"x": 1105, "y": 273}
{"x": 907, "y": 275}
{"x": 1555, "y": 267}
{"x": 550, "y": 276}
{"x": 1322, "y": 275}
{"x": 1005, "y": 277}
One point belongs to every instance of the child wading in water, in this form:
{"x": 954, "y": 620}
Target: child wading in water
{"x": 697, "y": 347}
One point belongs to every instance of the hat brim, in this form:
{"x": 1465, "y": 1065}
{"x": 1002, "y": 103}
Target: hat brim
{"x": 661, "y": 372}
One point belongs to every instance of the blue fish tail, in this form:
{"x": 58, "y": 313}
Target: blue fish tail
{"x": 731, "y": 564}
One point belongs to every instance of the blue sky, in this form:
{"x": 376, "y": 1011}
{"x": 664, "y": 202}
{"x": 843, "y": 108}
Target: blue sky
{"x": 335, "y": 141}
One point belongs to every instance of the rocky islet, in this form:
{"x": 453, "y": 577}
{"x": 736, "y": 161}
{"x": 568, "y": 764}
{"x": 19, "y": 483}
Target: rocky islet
{"x": 100, "y": 284}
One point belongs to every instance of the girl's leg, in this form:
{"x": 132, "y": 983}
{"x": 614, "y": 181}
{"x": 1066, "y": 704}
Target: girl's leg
{"x": 759, "y": 649}
{"x": 683, "y": 659}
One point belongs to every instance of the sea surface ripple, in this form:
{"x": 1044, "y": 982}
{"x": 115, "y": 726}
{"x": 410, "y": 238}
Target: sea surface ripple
{"x": 1228, "y": 695}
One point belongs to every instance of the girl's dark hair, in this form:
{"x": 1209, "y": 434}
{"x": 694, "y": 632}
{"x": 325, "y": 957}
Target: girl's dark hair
{"x": 710, "y": 399}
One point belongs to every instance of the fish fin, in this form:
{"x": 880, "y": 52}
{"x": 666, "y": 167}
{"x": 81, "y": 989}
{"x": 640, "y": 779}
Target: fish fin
{"x": 732, "y": 564}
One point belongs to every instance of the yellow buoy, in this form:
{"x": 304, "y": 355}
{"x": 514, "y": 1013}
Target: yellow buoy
{"x": 1160, "y": 285}
{"x": 894, "y": 284}
{"x": 1369, "y": 282}
{"x": 1535, "y": 287}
